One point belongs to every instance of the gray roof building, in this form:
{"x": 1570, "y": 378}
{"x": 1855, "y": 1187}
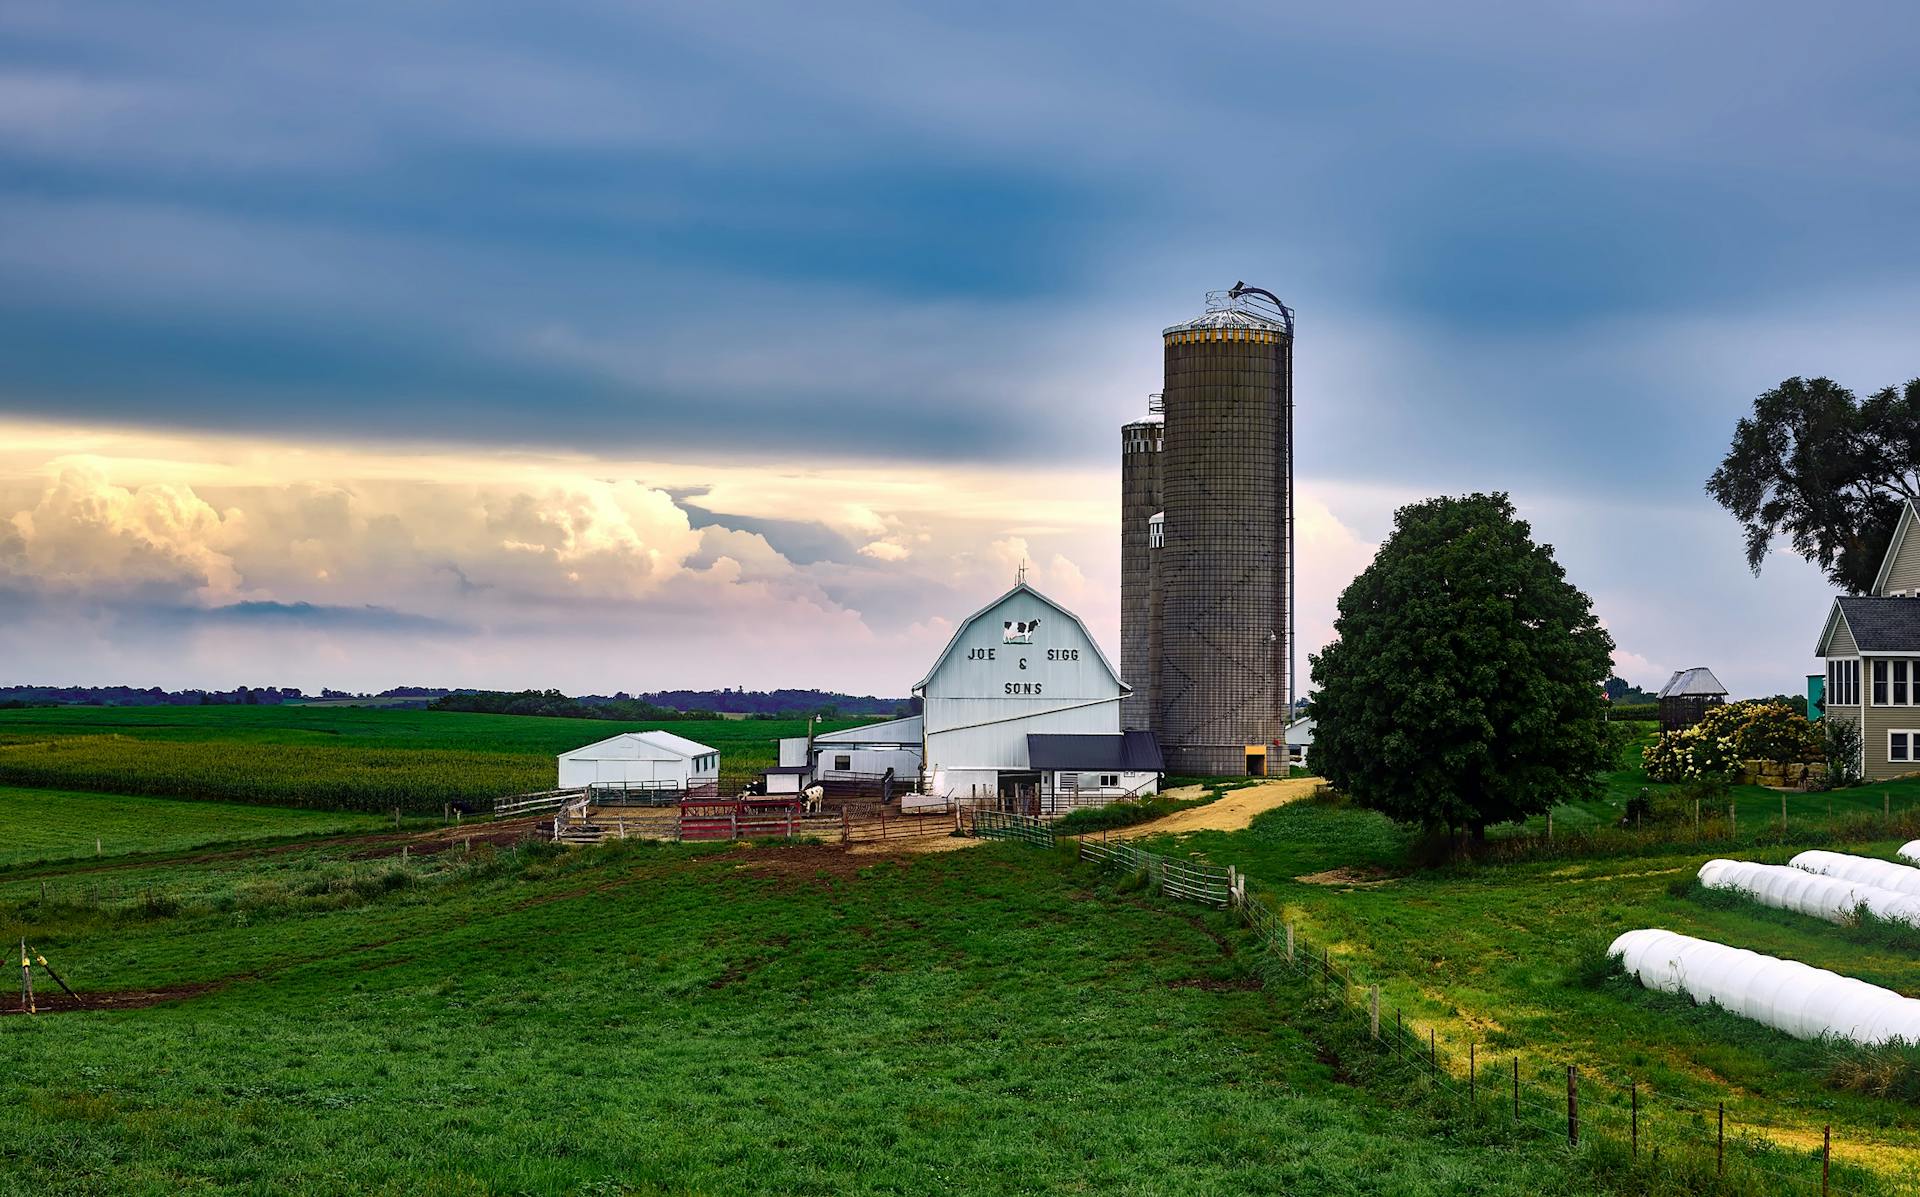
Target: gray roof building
{"x": 1697, "y": 682}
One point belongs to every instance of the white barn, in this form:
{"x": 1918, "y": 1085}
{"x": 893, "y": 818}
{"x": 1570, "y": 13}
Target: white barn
{"x": 1024, "y": 666}
{"x": 643, "y": 761}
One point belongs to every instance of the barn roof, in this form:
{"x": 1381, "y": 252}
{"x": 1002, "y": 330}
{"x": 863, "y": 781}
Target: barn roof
{"x": 1125, "y": 752}
{"x": 905, "y": 730}
{"x": 954, "y": 641}
{"x": 1692, "y": 683}
{"x": 641, "y": 745}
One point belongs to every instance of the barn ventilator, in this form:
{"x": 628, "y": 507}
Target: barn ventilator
{"x": 27, "y": 960}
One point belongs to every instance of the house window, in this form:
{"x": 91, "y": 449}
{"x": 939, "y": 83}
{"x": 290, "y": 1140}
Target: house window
{"x": 1880, "y": 683}
{"x": 843, "y": 763}
{"x": 1843, "y": 683}
{"x": 1899, "y": 683}
{"x": 1900, "y": 745}
{"x": 1156, "y": 533}
{"x": 1110, "y": 781}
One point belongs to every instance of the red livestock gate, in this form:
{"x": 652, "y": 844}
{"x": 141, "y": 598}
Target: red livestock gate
{"x": 739, "y": 818}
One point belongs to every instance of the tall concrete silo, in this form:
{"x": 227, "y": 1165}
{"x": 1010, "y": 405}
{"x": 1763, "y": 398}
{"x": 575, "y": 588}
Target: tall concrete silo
{"x": 1222, "y": 682}
{"x": 1140, "y": 501}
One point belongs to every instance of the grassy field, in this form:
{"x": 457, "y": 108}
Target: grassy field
{"x": 53, "y": 825}
{"x": 332, "y": 757}
{"x": 665, "y": 1019}
{"x": 1756, "y": 807}
{"x": 1500, "y": 956}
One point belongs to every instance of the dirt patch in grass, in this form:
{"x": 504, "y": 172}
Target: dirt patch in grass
{"x": 1346, "y": 878}
{"x": 1215, "y": 984}
{"x": 807, "y": 863}
{"x": 57, "y": 1002}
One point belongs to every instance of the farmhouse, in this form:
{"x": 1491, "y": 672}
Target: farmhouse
{"x": 1871, "y": 643}
{"x": 642, "y": 762}
{"x": 1023, "y": 705}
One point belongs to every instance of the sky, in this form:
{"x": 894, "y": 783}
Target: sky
{"x": 631, "y": 346}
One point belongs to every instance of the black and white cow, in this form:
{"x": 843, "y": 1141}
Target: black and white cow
{"x": 1018, "y": 631}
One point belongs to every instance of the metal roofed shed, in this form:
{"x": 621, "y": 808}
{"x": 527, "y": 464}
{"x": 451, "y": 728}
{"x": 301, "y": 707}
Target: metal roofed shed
{"x": 1687, "y": 695}
{"x": 649, "y": 763}
{"x": 1092, "y": 769}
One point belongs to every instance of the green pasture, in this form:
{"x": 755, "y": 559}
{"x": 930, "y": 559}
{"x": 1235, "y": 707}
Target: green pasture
{"x": 333, "y": 757}
{"x": 54, "y": 825}
{"x": 665, "y": 1019}
{"x": 1500, "y": 956}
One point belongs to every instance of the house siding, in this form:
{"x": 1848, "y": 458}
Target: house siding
{"x": 1904, "y": 574}
{"x": 1879, "y": 721}
{"x": 1842, "y": 644}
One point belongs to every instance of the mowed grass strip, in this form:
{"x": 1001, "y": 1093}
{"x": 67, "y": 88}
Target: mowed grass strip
{"x": 55, "y": 825}
{"x": 338, "y": 758}
{"x": 657, "y": 1018}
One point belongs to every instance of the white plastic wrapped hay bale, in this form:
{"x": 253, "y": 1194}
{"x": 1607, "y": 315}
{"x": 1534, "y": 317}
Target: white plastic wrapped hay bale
{"x": 1884, "y": 874}
{"x": 1910, "y": 851}
{"x": 1824, "y": 897}
{"x": 1803, "y": 1001}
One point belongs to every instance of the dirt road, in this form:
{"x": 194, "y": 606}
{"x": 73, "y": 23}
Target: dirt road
{"x": 1231, "y": 813}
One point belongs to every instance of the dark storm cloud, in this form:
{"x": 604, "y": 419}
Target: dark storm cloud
{"x": 803, "y": 542}
{"x": 880, "y": 232}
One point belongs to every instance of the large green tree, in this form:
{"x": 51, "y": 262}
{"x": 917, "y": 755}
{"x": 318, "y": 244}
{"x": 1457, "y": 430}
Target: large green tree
{"x": 1463, "y": 688}
{"x": 1825, "y": 470}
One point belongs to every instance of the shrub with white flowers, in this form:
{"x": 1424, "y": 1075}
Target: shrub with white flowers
{"x": 1756, "y": 730}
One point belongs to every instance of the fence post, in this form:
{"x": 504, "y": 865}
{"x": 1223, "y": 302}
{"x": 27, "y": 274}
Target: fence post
{"x": 1720, "y": 1144}
{"x": 1373, "y": 1010}
{"x": 1433, "y": 1056}
{"x": 1826, "y": 1156}
{"x": 1549, "y": 825}
{"x": 1635, "y": 1092}
{"x": 1783, "y": 812}
{"x": 1470, "y": 1074}
{"x": 846, "y": 827}
{"x": 1516, "y": 1088}
{"x": 1289, "y": 943}
{"x": 1573, "y": 1109}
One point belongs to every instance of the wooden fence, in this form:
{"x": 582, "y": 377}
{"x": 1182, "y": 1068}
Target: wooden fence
{"x": 739, "y": 818}
{"x": 881, "y": 825}
{"x": 534, "y": 804}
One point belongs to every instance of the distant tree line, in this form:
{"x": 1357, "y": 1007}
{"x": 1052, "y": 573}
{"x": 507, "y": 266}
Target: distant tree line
{"x": 555, "y": 704}
{"x": 154, "y": 696}
{"x": 662, "y": 704}
{"x": 672, "y": 704}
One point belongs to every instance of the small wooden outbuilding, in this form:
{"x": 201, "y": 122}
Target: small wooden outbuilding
{"x": 1687, "y": 695}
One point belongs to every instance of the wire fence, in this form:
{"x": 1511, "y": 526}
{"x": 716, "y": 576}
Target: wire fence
{"x": 1500, "y": 1094}
{"x": 1002, "y": 825}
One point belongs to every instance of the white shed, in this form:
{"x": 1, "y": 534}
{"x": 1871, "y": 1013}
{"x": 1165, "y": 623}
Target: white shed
{"x": 1300, "y": 741}
{"x": 1021, "y": 666}
{"x": 647, "y": 761}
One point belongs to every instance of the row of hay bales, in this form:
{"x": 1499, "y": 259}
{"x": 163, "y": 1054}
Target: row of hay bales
{"x": 1788, "y": 995}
